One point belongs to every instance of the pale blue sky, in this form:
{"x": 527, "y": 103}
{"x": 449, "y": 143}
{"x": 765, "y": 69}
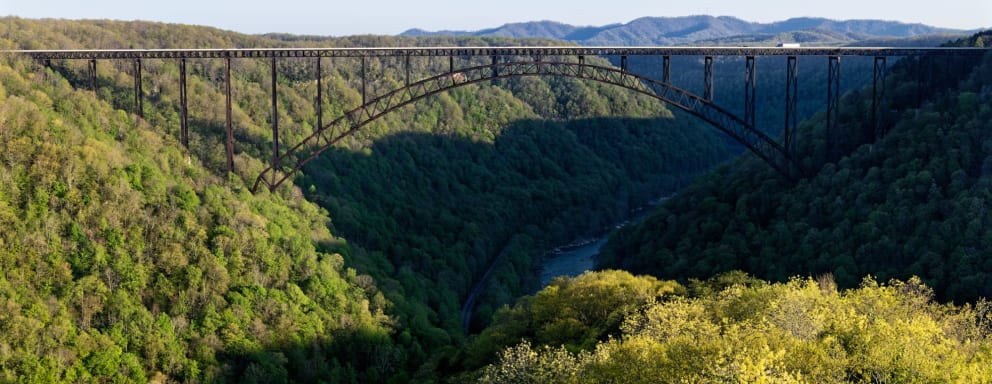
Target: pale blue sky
{"x": 336, "y": 18}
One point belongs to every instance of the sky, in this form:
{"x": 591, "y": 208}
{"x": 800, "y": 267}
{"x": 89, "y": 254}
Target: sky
{"x": 390, "y": 17}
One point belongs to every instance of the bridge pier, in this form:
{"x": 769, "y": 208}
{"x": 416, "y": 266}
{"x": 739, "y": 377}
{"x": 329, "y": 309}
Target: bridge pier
{"x": 494, "y": 68}
{"x": 833, "y": 104}
{"x": 320, "y": 98}
{"x": 666, "y": 69}
{"x": 183, "y": 110}
{"x": 878, "y": 96}
{"x": 363, "y": 81}
{"x": 750, "y": 73}
{"x": 138, "y": 107}
{"x": 229, "y": 126}
{"x": 708, "y": 78}
{"x": 275, "y": 122}
{"x": 407, "y": 67}
{"x": 92, "y": 72}
{"x": 791, "y": 101}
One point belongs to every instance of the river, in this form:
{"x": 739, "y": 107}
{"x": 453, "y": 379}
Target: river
{"x": 571, "y": 262}
{"x": 568, "y": 260}
{"x": 579, "y": 256}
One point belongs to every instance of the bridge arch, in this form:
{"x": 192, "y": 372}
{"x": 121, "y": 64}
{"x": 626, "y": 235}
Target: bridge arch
{"x": 352, "y": 121}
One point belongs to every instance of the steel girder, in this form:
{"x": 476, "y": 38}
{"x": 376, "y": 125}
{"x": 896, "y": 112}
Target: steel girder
{"x": 486, "y": 51}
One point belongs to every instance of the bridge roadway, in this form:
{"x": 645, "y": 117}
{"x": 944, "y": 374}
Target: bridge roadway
{"x": 102, "y": 54}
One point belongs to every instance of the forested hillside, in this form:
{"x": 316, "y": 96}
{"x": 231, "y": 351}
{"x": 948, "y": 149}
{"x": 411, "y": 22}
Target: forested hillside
{"x": 140, "y": 233}
{"x": 733, "y": 328}
{"x": 913, "y": 203}
{"x": 124, "y": 259}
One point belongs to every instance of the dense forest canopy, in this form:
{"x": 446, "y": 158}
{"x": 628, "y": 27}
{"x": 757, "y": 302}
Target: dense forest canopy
{"x": 125, "y": 259}
{"x": 733, "y": 328}
{"x": 420, "y": 205}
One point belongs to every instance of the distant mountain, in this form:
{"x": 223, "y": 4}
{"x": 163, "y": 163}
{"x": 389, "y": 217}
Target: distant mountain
{"x": 721, "y": 30}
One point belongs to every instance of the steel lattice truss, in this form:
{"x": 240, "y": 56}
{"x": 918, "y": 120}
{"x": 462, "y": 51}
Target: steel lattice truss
{"x": 254, "y": 53}
{"x": 352, "y": 121}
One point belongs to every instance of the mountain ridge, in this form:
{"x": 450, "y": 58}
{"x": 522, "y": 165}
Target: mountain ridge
{"x": 689, "y": 29}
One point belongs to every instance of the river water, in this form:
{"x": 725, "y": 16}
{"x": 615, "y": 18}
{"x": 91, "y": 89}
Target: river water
{"x": 567, "y": 260}
{"x": 572, "y": 260}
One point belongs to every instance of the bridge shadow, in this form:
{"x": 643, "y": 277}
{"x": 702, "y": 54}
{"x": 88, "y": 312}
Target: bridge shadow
{"x": 431, "y": 212}
{"x": 441, "y": 204}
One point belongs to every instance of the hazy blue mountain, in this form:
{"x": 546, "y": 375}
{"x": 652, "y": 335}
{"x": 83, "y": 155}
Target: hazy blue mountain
{"x": 718, "y": 30}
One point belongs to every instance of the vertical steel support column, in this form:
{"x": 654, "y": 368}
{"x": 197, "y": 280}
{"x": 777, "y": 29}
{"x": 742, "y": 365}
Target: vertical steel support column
{"x": 749, "y": 85}
{"x": 791, "y": 100}
{"x": 708, "y": 78}
{"x": 494, "y": 69}
{"x": 408, "y": 69}
{"x": 230, "y": 129}
{"x": 833, "y": 103}
{"x": 184, "y": 118}
{"x": 92, "y": 70}
{"x": 878, "y": 96}
{"x": 320, "y": 97}
{"x": 666, "y": 69}
{"x": 623, "y": 68}
{"x": 363, "y": 80}
{"x": 275, "y": 123}
{"x": 920, "y": 66}
{"x": 451, "y": 64}
{"x": 138, "y": 107}
{"x": 582, "y": 64}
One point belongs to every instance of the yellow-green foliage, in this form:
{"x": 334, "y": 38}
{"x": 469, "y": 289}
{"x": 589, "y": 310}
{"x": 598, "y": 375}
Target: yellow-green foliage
{"x": 123, "y": 259}
{"x": 574, "y": 313}
{"x": 799, "y": 331}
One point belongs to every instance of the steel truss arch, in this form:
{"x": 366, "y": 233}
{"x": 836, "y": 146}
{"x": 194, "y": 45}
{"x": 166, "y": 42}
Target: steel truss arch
{"x": 352, "y": 121}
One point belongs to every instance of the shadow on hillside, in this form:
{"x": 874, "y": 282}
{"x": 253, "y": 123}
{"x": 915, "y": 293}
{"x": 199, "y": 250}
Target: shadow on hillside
{"x": 432, "y": 212}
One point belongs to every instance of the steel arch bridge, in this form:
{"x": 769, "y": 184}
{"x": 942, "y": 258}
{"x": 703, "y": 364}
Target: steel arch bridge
{"x": 350, "y": 122}
{"x": 509, "y": 62}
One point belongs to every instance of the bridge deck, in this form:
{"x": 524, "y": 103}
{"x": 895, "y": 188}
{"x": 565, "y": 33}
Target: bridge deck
{"x": 489, "y": 51}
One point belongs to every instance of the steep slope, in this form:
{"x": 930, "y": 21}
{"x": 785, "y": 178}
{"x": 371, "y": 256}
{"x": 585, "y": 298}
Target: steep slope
{"x": 910, "y": 204}
{"x": 124, "y": 259}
